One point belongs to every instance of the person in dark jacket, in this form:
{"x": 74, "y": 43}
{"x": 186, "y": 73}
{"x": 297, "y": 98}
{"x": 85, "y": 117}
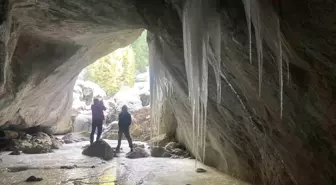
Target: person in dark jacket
{"x": 124, "y": 123}
{"x": 97, "y": 119}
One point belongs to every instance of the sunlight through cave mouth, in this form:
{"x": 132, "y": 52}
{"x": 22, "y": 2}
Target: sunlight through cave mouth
{"x": 119, "y": 78}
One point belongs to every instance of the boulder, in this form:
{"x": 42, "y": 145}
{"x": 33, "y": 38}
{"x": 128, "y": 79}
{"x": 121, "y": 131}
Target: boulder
{"x": 41, "y": 143}
{"x": 127, "y": 96}
{"x": 145, "y": 98}
{"x": 82, "y": 122}
{"x": 75, "y": 137}
{"x": 9, "y": 134}
{"x": 99, "y": 149}
{"x": 171, "y": 145}
{"x": 159, "y": 152}
{"x": 56, "y": 143}
{"x": 179, "y": 152}
{"x": 15, "y": 152}
{"x": 137, "y": 153}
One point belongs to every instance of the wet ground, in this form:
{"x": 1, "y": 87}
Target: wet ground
{"x": 118, "y": 171}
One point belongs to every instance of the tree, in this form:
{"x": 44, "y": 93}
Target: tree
{"x": 119, "y": 67}
{"x": 113, "y": 70}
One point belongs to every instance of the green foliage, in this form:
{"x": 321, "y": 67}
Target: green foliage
{"x": 113, "y": 70}
{"x": 140, "y": 48}
{"x": 119, "y": 68}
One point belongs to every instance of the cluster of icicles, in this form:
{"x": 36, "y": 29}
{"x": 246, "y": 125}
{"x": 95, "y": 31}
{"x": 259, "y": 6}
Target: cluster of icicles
{"x": 202, "y": 46}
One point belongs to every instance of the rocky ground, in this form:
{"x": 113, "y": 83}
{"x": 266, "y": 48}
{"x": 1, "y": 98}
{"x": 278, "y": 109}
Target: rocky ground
{"x": 136, "y": 98}
{"x": 68, "y": 166}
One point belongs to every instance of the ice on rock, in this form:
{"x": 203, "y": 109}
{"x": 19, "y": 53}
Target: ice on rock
{"x": 201, "y": 31}
{"x": 267, "y": 29}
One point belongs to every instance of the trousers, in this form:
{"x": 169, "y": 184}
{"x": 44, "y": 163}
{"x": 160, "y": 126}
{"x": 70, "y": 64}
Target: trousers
{"x": 127, "y": 135}
{"x": 96, "y": 124}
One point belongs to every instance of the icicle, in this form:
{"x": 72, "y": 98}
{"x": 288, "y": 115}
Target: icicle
{"x": 160, "y": 84}
{"x": 247, "y": 4}
{"x": 259, "y": 44}
{"x": 279, "y": 58}
{"x": 215, "y": 35}
{"x": 196, "y": 30}
{"x": 204, "y": 92}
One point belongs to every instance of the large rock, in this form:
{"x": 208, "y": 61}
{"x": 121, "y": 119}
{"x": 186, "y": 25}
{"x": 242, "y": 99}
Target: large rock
{"x": 99, "y": 149}
{"x": 137, "y": 153}
{"x": 129, "y": 97}
{"x": 82, "y": 123}
{"x": 159, "y": 152}
{"x": 86, "y": 91}
{"x": 40, "y": 143}
{"x": 145, "y": 98}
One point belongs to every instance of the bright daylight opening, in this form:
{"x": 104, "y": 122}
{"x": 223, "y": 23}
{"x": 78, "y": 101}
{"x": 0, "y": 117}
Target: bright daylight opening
{"x": 117, "y": 79}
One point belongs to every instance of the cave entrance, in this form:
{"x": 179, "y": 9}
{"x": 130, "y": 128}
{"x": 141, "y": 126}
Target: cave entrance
{"x": 119, "y": 78}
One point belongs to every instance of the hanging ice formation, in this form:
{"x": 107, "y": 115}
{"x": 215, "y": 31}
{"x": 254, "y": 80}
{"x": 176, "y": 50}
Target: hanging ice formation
{"x": 257, "y": 16}
{"x": 201, "y": 32}
{"x": 159, "y": 85}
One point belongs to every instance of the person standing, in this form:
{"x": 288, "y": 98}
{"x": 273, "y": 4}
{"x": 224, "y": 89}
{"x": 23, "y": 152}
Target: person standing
{"x": 124, "y": 123}
{"x": 98, "y": 117}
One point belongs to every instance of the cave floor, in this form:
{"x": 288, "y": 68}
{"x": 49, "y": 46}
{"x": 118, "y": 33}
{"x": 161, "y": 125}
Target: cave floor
{"x": 118, "y": 171}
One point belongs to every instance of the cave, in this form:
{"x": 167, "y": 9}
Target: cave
{"x": 265, "y": 85}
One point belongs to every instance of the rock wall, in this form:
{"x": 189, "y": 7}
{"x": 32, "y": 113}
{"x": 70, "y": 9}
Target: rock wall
{"x": 246, "y": 136}
{"x": 45, "y": 44}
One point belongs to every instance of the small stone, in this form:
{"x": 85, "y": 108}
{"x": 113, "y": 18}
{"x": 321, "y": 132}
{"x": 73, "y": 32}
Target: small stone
{"x": 200, "y": 170}
{"x": 191, "y": 157}
{"x": 15, "y": 152}
{"x": 68, "y": 167}
{"x": 33, "y": 179}
{"x": 137, "y": 153}
{"x": 17, "y": 169}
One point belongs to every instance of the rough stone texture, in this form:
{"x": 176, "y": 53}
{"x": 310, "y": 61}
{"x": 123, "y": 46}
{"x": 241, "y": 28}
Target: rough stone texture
{"x": 55, "y": 142}
{"x": 253, "y": 143}
{"x": 44, "y": 45}
{"x": 137, "y": 153}
{"x": 99, "y": 149}
{"x": 41, "y": 143}
{"x": 159, "y": 152}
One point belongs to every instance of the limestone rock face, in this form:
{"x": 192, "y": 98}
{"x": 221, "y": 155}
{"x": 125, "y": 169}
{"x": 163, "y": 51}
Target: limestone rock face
{"x": 45, "y": 44}
{"x": 43, "y": 47}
